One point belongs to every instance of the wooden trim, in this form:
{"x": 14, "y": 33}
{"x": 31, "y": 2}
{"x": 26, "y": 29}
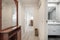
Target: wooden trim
{"x": 17, "y": 13}
{"x": 16, "y": 2}
{"x": 0, "y": 14}
{"x": 13, "y": 33}
{"x": 19, "y": 34}
{"x": 9, "y": 28}
{"x": 5, "y": 37}
{"x": 1, "y": 36}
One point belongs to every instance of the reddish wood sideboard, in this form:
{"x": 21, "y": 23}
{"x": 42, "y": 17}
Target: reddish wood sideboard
{"x": 11, "y": 34}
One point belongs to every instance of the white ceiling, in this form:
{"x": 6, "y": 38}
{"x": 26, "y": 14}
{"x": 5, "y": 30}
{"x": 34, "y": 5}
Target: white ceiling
{"x": 30, "y": 1}
{"x": 53, "y": 0}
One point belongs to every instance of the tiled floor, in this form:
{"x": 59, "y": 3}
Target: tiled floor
{"x": 54, "y": 38}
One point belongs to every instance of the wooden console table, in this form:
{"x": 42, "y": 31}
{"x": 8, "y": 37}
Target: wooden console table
{"x": 11, "y": 34}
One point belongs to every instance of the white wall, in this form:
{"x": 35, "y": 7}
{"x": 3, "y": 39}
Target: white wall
{"x": 21, "y": 19}
{"x": 29, "y": 10}
{"x": 19, "y": 13}
{"x": 25, "y": 14}
{"x": 39, "y": 17}
{"x": 42, "y": 17}
{"x": 58, "y": 13}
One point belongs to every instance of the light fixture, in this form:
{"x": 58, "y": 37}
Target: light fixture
{"x": 51, "y": 5}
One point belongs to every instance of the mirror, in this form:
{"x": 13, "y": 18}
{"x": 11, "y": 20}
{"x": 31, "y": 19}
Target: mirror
{"x": 53, "y": 11}
{"x": 9, "y": 14}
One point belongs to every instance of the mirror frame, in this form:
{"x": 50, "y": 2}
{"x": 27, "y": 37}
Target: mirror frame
{"x": 16, "y": 3}
{"x": 0, "y": 14}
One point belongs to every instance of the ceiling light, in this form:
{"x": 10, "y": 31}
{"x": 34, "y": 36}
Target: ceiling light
{"x": 51, "y": 5}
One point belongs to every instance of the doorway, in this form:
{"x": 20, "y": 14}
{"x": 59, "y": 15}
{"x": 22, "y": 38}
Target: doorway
{"x": 53, "y": 20}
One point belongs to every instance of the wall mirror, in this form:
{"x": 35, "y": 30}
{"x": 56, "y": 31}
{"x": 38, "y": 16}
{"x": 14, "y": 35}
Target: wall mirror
{"x": 53, "y": 12}
{"x": 9, "y": 14}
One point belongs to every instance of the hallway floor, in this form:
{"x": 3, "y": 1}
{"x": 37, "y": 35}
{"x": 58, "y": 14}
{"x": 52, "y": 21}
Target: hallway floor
{"x": 29, "y": 33}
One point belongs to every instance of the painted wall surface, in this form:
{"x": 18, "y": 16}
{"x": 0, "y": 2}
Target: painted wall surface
{"x": 29, "y": 10}
{"x": 21, "y": 19}
{"x": 58, "y": 13}
{"x": 42, "y": 18}
{"x": 19, "y": 13}
{"x": 8, "y": 10}
{"x": 39, "y": 17}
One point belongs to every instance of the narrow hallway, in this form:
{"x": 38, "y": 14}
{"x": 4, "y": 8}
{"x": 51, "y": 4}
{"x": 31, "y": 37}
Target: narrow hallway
{"x": 30, "y": 34}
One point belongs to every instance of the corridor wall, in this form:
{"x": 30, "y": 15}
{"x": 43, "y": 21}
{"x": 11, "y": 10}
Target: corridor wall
{"x": 42, "y": 24}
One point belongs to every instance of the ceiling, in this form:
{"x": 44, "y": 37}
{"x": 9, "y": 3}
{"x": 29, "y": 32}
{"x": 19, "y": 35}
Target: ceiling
{"x": 53, "y": 0}
{"x": 29, "y": 1}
